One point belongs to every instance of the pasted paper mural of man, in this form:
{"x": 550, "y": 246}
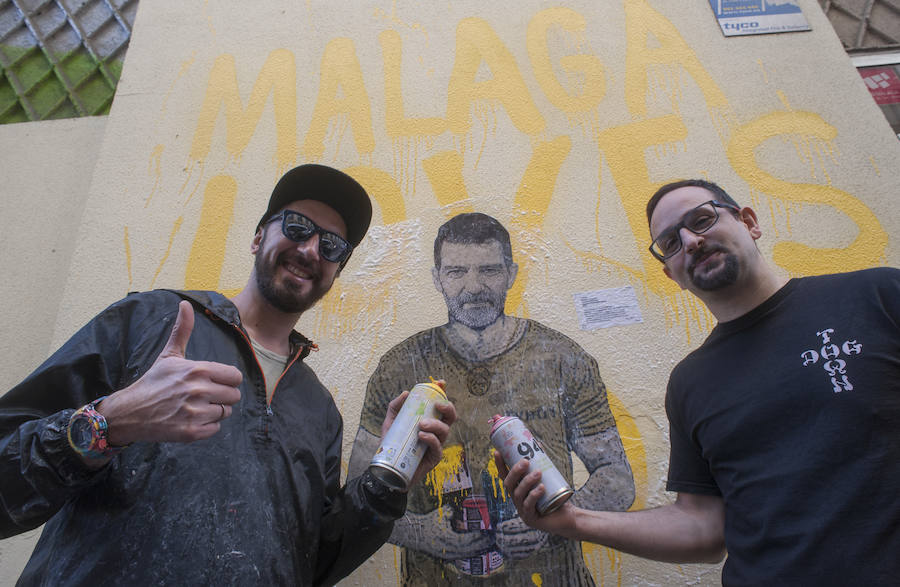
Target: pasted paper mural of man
{"x": 460, "y": 526}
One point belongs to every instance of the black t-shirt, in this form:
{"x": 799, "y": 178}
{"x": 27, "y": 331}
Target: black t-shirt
{"x": 792, "y": 414}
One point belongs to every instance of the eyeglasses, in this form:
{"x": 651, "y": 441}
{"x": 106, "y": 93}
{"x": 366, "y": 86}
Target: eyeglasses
{"x": 300, "y": 229}
{"x": 698, "y": 220}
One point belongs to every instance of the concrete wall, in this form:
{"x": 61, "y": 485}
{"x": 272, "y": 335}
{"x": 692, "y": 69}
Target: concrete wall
{"x": 47, "y": 169}
{"x": 557, "y": 119}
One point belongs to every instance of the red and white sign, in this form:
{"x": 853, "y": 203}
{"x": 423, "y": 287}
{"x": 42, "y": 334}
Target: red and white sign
{"x": 883, "y": 84}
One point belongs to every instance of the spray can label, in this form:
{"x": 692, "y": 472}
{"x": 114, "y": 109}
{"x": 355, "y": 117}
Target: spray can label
{"x": 401, "y": 451}
{"x": 515, "y": 442}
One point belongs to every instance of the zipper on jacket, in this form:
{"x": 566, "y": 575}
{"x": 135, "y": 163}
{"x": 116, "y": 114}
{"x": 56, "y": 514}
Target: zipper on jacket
{"x": 269, "y": 412}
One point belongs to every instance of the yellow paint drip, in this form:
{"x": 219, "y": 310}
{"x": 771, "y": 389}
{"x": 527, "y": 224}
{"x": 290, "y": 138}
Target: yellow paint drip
{"x": 450, "y": 466}
{"x": 175, "y": 226}
{"x": 497, "y": 487}
{"x": 536, "y": 579}
{"x": 599, "y": 560}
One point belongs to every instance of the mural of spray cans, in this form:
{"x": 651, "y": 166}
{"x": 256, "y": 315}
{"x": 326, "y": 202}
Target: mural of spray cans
{"x": 401, "y": 451}
{"x": 472, "y": 515}
{"x": 515, "y": 442}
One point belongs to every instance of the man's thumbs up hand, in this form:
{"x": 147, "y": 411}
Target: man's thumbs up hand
{"x": 176, "y": 346}
{"x": 177, "y": 399}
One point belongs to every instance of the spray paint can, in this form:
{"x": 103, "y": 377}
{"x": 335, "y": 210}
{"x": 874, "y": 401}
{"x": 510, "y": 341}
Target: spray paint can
{"x": 401, "y": 451}
{"x": 515, "y": 442}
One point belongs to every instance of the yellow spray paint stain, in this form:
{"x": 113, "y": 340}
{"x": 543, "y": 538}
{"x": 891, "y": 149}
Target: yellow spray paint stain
{"x": 497, "y": 486}
{"x": 600, "y": 561}
{"x": 450, "y": 466}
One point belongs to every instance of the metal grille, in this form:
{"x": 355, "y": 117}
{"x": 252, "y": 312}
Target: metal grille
{"x": 865, "y": 25}
{"x": 61, "y": 58}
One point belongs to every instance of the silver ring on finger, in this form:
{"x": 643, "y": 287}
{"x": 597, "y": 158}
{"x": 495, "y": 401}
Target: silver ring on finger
{"x": 222, "y": 417}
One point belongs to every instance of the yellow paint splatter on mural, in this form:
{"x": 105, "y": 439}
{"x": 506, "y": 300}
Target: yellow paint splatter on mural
{"x": 497, "y": 487}
{"x": 451, "y": 465}
{"x": 600, "y": 561}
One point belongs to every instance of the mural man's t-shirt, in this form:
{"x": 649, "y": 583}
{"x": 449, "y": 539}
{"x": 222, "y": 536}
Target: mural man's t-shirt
{"x": 544, "y": 378}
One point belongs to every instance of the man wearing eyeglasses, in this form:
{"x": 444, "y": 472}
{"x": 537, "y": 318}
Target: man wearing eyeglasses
{"x": 784, "y": 423}
{"x": 180, "y": 439}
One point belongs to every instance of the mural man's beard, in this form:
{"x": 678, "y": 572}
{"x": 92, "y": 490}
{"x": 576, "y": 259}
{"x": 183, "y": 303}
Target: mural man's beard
{"x": 488, "y": 307}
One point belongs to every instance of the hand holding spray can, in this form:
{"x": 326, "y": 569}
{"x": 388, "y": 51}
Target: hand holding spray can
{"x": 515, "y": 442}
{"x": 401, "y": 451}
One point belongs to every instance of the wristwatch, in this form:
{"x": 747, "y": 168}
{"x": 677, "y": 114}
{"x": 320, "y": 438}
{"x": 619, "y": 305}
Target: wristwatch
{"x": 88, "y": 433}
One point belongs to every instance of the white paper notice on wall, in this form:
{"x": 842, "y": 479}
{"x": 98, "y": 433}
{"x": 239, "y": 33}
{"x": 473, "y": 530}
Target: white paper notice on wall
{"x": 603, "y": 308}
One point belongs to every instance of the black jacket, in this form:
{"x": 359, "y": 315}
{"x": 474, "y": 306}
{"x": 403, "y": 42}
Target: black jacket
{"x": 260, "y": 502}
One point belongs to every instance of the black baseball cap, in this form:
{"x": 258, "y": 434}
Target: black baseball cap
{"x": 329, "y": 186}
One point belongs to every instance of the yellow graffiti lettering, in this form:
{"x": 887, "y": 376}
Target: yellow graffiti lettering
{"x": 476, "y": 42}
{"x": 641, "y": 21}
{"x": 444, "y": 171}
{"x": 384, "y": 189}
{"x": 586, "y": 70}
{"x": 396, "y": 123}
{"x": 866, "y": 250}
{"x": 278, "y": 76}
{"x": 204, "y": 266}
{"x": 623, "y": 148}
{"x": 530, "y": 209}
{"x": 342, "y": 92}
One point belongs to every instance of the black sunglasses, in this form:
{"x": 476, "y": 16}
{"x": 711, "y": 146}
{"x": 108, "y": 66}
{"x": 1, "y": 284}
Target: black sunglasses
{"x": 698, "y": 220}
{"x": 300, "y": 229}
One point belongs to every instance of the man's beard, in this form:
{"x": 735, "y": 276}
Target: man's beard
{"x": 285, "y": 297}
{"x": 476, "y": 318}
{"x": 718, "y": 278}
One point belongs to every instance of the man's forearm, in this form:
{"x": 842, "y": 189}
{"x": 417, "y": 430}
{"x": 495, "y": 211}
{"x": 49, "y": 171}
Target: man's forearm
{"x": 669, "y": 533}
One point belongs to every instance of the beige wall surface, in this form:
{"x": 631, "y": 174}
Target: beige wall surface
{"x": 558, "y": 119}
{"x": 46, "y": 170}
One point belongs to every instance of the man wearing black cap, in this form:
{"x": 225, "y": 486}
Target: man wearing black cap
{"x": 156, "y": 449}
